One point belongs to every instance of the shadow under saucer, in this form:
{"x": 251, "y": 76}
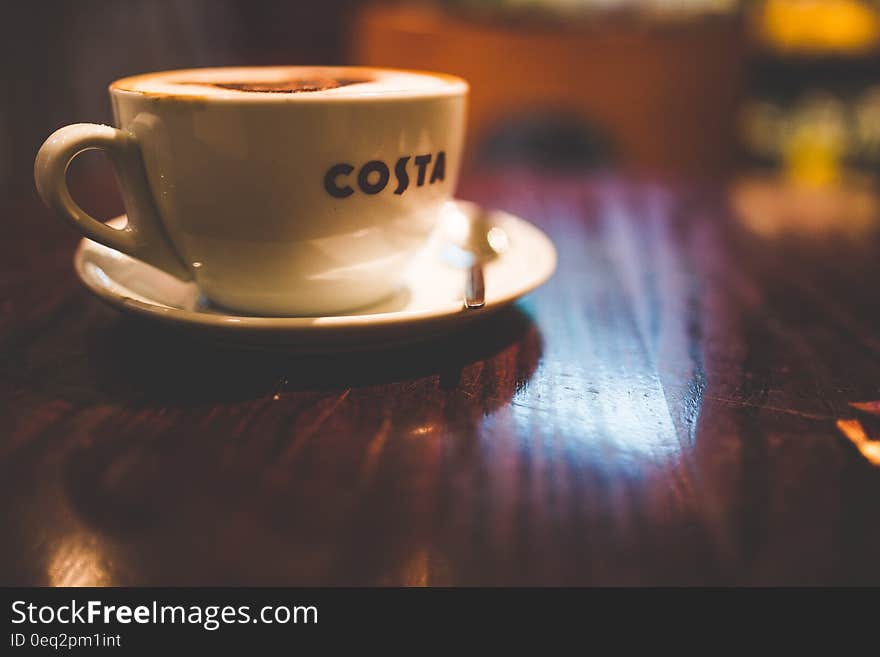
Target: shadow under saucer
{"x": 144, "y": 361}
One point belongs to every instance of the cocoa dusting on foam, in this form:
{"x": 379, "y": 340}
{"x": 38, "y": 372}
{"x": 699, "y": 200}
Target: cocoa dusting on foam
{"x": 286, "y": 86}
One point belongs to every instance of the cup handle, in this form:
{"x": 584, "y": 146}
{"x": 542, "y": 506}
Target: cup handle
{"x": 143, "y": 236}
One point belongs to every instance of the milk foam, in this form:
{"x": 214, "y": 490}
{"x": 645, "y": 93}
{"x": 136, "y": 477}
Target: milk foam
{"x": 379, "y": 82}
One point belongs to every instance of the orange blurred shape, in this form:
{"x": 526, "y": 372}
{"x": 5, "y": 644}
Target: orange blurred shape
{"x": 872, "y": 407}
{"x": 819, "y": 25}
{"x": 855, "y": 432}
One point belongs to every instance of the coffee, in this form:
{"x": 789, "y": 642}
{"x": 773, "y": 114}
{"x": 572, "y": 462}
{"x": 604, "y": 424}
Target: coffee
{"x": 292, "y": 86}
{"x": 283, "y": 80}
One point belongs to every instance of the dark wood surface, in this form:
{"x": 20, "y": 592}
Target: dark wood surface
{"x": 664, "y": 411}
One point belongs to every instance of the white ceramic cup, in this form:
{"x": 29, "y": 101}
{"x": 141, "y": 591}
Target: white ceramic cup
{"x": 302, "y": 203}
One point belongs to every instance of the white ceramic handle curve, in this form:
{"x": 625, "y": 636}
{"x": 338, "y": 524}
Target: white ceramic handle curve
{"x": 143, "y": 236}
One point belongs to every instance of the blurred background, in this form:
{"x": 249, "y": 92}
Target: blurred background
{"x": 777, "y": 99}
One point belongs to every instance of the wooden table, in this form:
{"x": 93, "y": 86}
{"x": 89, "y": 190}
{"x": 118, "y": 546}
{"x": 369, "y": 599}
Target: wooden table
{"x": 673, "y": 407}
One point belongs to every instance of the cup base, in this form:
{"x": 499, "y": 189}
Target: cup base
{"x": 316, "y": 309}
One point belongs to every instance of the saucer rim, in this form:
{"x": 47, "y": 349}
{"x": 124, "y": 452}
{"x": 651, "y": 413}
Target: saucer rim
{"x": 312, "y": 324}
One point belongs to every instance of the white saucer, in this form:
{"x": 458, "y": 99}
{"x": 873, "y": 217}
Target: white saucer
{"x": 430, "y": 303}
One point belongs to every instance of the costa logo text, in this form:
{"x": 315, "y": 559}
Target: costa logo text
{"x": 340, "y": 180}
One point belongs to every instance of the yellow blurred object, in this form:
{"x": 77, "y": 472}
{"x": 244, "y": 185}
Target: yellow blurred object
{"x": 810, "y": 162}
{"x": 815, "y": 26}
{"x": 811, "y": 140}
{"x": 813, "y": 153}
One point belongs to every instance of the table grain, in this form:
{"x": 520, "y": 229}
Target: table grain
{"x": 673, "y": 407}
